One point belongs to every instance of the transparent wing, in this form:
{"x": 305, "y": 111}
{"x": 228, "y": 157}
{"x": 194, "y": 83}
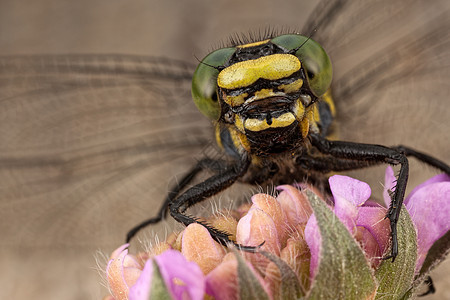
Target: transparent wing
{"x": 391, "y": 64}
{"x": 82, "y": 138}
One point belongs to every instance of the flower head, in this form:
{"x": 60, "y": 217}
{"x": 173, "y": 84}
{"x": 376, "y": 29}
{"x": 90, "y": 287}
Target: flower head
{"x": 168, "y": 274}
{"x": 311, "y": 249}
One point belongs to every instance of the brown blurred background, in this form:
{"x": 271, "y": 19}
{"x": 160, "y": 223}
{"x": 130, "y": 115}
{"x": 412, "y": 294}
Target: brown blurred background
{"x": 174, "y": 29}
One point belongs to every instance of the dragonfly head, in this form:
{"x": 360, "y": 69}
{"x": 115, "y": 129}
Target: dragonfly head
{"x": 261, "y": 94}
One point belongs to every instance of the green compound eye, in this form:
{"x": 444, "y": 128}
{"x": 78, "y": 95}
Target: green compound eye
{"x": 314, "y": 59}
{"x": 204, "y": 82}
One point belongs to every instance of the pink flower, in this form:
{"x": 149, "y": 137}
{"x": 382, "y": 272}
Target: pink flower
{"x": 428, "y": 206}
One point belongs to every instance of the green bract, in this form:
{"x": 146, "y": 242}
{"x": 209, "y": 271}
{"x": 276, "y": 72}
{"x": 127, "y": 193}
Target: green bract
{"x": 313, "y": 58}
{"x": 204, "y": 82}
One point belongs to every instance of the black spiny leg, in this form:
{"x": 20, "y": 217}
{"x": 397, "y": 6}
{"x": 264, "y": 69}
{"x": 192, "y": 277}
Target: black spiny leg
{"x": 202, "y": 191}
{"x": 203, "y": 164}
{"x": 372, "y": 154}
{"x": 424, "y": 158}
{"x": 329, "y": 164}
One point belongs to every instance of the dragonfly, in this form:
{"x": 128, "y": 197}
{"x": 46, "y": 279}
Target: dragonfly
{"x": 92, "y": 143}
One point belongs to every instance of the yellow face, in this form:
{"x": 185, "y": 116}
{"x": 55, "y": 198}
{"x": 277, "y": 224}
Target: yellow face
{"x": 261, "y": 94}
{"x": 244, "y": 74}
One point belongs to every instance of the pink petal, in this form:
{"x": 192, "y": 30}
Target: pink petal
{"x": 295, "y": 205}
{"x": 435, "y": 179}
{"x": 350, "y": 189}
{"x": 270, "y": 205}
{"x": 373, "y": 220}
{"x": 429, "y": 208}
{"x": 348, "y": 195}
{"x": 255, "y": 228}
{"x": 116, "y": 253}
{"x": 226, "y": 223}
{"x": 296, "y": 254}
{"x": 314, "y": 241}
{"x": 185, "y": 280}
{"x": 198, "y": 246}
{"x": 389, "y": 184}
{"x": 223, "y": 281}
{"x": 369, "y": 245}
{"x": 346, "y": 212}
{"x": 141, "y": 290}
{"x": 122, "y": 273}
